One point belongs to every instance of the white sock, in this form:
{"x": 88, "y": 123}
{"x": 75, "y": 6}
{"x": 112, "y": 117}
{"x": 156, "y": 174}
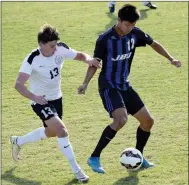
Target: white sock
{"x": 66, "y": 148}
{"x": 33, "y": 136}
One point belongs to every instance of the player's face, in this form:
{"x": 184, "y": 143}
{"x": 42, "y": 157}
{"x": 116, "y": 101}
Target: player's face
{"x": 125, "y": 26}
{"x": 48, "y": 48}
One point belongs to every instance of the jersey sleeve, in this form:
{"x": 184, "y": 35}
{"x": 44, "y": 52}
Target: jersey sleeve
{"x": 67, "y": 52}
{"x": 143, "y": 38}
{"x": 99, "y": 50}
{"x": 26, "y": 67}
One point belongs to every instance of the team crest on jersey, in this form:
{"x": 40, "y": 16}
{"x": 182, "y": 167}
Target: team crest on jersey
{"x": 58, "y": 59}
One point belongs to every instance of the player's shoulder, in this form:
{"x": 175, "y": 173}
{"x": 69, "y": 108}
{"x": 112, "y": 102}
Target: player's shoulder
{"x": 31, "y": 56}
{"x": 137, "y": 30}
{"x": 105, "y": 35}
{"x": 62, "y": 44}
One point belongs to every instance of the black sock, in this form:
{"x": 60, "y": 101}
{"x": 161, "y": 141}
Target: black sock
{"x": 107, "y": 135}
{"x": 142, "y": 138}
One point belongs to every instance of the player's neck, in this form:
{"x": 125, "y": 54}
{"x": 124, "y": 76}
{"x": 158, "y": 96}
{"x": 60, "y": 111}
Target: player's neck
{"x": 45, "y": 54}
{"x": 118, "y": 31}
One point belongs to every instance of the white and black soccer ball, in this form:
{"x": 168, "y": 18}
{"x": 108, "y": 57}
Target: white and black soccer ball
{"x": 131, "y": 159}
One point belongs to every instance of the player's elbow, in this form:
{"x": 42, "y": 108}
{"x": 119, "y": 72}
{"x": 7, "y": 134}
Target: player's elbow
{"x": 17, "y": 85}
{"x": 79, "y": 56}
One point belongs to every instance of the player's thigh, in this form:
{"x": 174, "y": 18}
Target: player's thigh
{"x": 120, "y": 114}
{"x": 119, "y": 118}
{"x": 58, "y": 106}
{"x": 45, "y": 112}
{"x": 111, "y": 99}
{"x": 145, "y": 119}
{"x": 143, "y": 115}
{"x": 132, "y": 101}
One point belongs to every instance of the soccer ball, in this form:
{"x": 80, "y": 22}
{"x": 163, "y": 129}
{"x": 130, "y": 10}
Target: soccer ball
{"x": 131, "y": 159}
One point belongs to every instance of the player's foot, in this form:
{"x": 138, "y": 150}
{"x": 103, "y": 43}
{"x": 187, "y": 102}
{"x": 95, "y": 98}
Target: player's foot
{"x": 112, "y": 8}
{"x": 81, "y": 176}
{"x": 151, "y": 6}
{"x": 146, "y": 164}
{"x": 94, "y": 163}
{"x": 15, "y": 148}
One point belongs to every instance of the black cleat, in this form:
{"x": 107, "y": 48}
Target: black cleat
{"x": 151, "y": 6}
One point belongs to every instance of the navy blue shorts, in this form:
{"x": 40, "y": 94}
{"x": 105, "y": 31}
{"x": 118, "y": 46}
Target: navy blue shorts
{"x": 49, "y": 110}
{"x": 114, "y": 98}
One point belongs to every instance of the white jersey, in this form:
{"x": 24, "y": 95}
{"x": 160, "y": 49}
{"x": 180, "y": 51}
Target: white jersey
{"x": 45, "y": 72}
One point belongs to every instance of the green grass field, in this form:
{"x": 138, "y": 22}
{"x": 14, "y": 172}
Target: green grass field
{"x": 162, "y": 87}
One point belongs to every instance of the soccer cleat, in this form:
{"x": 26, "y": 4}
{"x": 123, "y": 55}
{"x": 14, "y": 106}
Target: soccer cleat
{"x": 112, "y": 8}
{"x": 15, "y": 147}
{"x": 146, "y": 164}
{"x": 81, "y": 176}
{"x": 151, "y": 6}
{"x": 94, "y": 163}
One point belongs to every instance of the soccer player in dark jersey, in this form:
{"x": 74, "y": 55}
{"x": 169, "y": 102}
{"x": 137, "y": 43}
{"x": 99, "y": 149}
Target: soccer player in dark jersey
{"x": 116, "y": 48}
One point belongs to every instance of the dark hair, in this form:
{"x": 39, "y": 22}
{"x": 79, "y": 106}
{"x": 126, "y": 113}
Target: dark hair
{"x": 128, "y": 13}
{"x": 47, "y": 33}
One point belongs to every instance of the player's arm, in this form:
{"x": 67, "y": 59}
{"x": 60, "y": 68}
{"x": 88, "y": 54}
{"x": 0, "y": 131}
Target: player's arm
{"x": 22, "y": 89}
{"x": 98, "y": 55}
{"x": 87, "y": 59}
{"x": 162, "y": 51}
{"x": 23, "y": 76}
{"x": 20, "y": 86}
{"x": 72, "y": 54}
{"x": 90, "y": 73}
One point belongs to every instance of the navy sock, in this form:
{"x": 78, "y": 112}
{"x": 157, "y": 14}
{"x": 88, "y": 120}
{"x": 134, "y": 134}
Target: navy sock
{"x": 107, "y": 135}
{"x": 142, "y": 138}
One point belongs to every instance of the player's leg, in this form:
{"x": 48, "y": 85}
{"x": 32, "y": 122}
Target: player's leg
{"x": 33, "y": 136}
{"x": 56, "y": 125}
{"x": 18, "y": 141}
{"x": 136, "y": 108}
{"x": 42, "y": 132}
{"x": 111, "y": 6}
{"x": 79, "y": 174}
{"x": 149, "y": 4}
{"x": 143, "y": 132}
{"x": 114, "y": 104}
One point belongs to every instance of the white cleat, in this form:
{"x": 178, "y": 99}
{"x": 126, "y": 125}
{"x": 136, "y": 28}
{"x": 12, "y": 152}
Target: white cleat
{"x": 15, "y": 148}
{"x": 81, "y": 176}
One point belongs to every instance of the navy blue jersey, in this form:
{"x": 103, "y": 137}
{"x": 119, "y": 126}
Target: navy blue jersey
{"x": 116, "y": 53}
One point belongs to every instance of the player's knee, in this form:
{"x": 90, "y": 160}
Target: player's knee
{"x": 61, "y": 131}
{"x": 150, "y": 122}
{"x": 121, "y": 121}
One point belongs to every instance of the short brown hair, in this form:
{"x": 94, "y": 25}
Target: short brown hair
{"x": 47, "y": 33}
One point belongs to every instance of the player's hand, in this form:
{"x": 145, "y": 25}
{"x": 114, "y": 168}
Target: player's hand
{"x": 94, "y": 62}
{"x": 40, "y": 100}
{"x": 82, "y": 88}
{"x": 176, "y": 62}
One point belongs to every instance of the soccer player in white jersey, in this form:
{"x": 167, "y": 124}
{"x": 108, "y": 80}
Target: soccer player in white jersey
{"x": 42, "y": 67}
{"x": 112, "y": 3}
